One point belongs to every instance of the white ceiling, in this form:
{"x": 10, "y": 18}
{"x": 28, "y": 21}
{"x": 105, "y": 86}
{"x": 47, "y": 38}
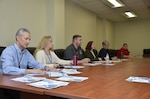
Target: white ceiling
{"x": 140, "y": 7}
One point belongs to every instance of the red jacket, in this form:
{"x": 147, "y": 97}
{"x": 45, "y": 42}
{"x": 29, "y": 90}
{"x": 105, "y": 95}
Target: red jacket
{"x": 123, "y": 51}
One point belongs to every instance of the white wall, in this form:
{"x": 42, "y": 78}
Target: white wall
{"x": 79, "y": 21}
{"x": 100, "y": 36}
{"x": 59, "y": 18}
{"x": 109, "y": 33}
{"x": 56, "y": 22}
{"x": 31, "y": 14}
{"x": 135, "y": 33}
{"x": 83, "y": 22}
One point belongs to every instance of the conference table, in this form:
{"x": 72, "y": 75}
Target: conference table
{"x": 104, "y": 82}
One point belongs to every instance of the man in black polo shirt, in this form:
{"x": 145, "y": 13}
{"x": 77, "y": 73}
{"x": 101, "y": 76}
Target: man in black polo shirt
{"x": 75, "y": 49}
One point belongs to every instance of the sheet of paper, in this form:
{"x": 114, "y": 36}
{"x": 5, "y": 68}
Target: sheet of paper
{"x": 48, "y": 84}
{"x": 74, "y": 67}
{"x": 104, "y": 62}
{"x": 28, "y": 79}
{"x": 138, "y": 79}
{"x": 72, "y": 78}
{"x": 56, "y": 74}
{"x": 70, "y": 71}
{"x": 92, "y": 64}
{"x": 110, "y": 64}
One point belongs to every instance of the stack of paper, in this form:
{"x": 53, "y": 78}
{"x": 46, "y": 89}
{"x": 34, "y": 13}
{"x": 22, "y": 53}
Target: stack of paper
{"x": 92, "y": 64}
{"x": 138, "y": 79}
{"x": 72, "y": 78}
{"x": 28, "y": 79}
{"x": 48, "y": 84}
{"x": 97, "y": 62}
{"x": 109, "y": 64}
{"x": 70, "y": 71}
{"x": 74, "y": 67}
{"x": 106, "y": 62}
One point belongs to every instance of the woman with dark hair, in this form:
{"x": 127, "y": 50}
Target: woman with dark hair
{"x": 91, "y": 52}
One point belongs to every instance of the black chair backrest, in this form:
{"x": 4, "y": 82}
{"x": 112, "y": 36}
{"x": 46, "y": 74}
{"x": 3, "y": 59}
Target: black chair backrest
{"x": 1, "y": 49}
{"x": 146, "y": 52}
{"x": 113, "y": 52}
{"x": 60, "y": 53}
{"x": 31, "y": 49}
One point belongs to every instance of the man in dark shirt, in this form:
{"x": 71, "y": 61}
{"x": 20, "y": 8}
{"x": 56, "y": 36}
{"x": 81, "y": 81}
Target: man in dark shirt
{"x": 104, "y": 51}
{"x": 75, "y": 49}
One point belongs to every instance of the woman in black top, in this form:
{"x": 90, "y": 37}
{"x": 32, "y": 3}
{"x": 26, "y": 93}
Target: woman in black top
{"x": 91, "y": 52}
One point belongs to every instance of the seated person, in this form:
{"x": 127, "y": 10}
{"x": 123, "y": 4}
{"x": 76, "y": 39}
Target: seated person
{"x": 45, "y": 55}
{"x": 16, "y": 58}
{"x": 104, "y": 51}
{"x": 91, "y": 52}
{"x": 124, "y": 52}
{"x": 75, "y": 49}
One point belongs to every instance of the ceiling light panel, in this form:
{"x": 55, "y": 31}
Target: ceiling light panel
{"x": 116, "y": 3}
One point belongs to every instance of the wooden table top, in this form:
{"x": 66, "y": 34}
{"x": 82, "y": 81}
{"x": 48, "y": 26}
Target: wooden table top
{"x": 108, "y": 82}
{"x": 105, "y": 82}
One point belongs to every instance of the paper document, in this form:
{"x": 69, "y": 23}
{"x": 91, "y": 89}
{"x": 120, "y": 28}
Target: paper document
{"x": 72, "y": 78}
{"x": 74, "y": 67}
{"x": 96, "y": 61}
{"x": 109, "y": 64}
{"x": 48, "y": 84}
{"x": 138, "y": 79}
{"x": 92, "y": 64}
{"x": 28, "y": 79}
{"x": 106, "y": 62}
{"x": 70, "y": 71}
{"x": 56, "y": 74}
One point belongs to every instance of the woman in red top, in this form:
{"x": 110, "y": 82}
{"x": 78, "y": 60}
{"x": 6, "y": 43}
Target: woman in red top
{"x": 123, "y": 52}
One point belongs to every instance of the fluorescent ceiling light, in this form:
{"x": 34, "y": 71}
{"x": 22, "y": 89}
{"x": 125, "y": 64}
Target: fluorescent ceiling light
{"x": 129, "y": 14}
{"x": 116, "y": 3}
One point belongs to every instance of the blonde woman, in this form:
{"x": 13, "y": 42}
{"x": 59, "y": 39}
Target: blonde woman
{"x": 45, "y": 55}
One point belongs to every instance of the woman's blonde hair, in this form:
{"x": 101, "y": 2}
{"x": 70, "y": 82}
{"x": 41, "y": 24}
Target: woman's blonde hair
{"x": 43, "y": 44}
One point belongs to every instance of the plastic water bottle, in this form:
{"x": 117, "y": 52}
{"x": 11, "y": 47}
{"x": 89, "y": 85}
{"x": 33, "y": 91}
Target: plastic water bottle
{"x": 75, "y": 60}
{"x": 107, "y": 58}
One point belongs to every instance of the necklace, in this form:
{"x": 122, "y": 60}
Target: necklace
{"x": 19, "y": 60}
{"x": 49, "y": 57}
